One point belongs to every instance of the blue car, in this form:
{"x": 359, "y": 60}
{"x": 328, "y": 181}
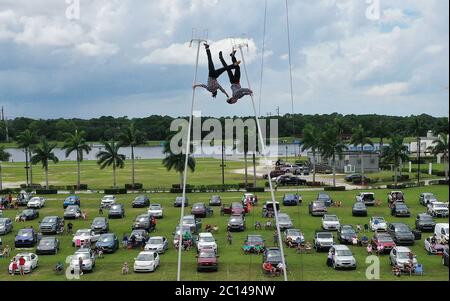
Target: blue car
{"x": 25, "y": 238}
{"x": 291, "y": 199}
{"x": 325, "y": 198}
{"x": 72, "y": 200}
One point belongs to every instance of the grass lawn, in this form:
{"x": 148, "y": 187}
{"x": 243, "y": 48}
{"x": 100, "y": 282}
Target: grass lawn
{"x": 233, "y": 264}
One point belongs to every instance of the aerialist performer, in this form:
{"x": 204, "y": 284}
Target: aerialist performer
{"x": 213, "y": 85}
{"x": 238, "y": 91}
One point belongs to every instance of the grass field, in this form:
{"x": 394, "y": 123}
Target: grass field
{"x": 233, "y": 264}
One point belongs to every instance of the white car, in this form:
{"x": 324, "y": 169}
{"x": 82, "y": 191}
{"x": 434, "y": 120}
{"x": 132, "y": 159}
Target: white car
{"x": 206, "y": 241}
{"x": 156, "y": 210}
{"x": 31, "y": 262}
{"x": 438, "y": 209}
{"x": 84, "y": 235}
{"x": 427, "y": 198}
{"x": 108, "y": 201}
{"x": 147, "y": 261}
{"x": 36, "y": 202}
{"x": 330, "y": 222}
{"x": 88, "y": 262}
{"x": 400, "y": 256}
{"x": 378, "y": 223}
{"x": 433, "y": 248}
{"x": 157, "y": 244}
{"x": 368, "y": 198}
{"x": 342, "y": 257}
{"x": 441, "y": 232}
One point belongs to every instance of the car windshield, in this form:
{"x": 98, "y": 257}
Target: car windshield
{"x": 141, "y": 218}
{"x": 71, "y": 199}
{"x": 274, "y": 256}
{"x": 236, "y": 206}
{"x": 403, "y": 255}
{"x": 28, "y": 211}
{"x": 331, "y": 218}
{"x": 440, "y": 205}
{"x": 155, "y": 241}
{"x": 344, "y": 253}
{"x": 206, "y": 254}
{"x": 360, "y": 206}
{"x": 106, "y": 238}
{"x": 26, "y": 257}
{"x": 115, "y": 207}
{"x": 430, "y": 197}
{"x": 207, "y": 239}
{"x": 47, "y": 242}
{"x": 25, "y": 233}
{"x": 368, "y": 197}
{"x": 426, "y": 218}
{"x": 284, "y": 219}
{"x": 324, "y": 235}
{"x": 188, "y": 220}
{"x": 155, "y": 206}
{"x": 384, "y": 238}
{"x": 254, "y": 239}
{"x": 445, "y": 230}
{"x": 84, "y": 256}
{"x": 401, "y": 206}
{"x": 72, "y": 208}
{"x": 290, "y": 197}
{"x": 49, "y": 220}
{"x": 319, "y": 204}
{"x": 145, "y": 257}
{"x": 235, "y": 219}
{"x": 179, "y": 199}
{"x": 348, "y": 230}
{"x": 378, "y": 220}
{"x": 198, "y": 206}
{"x": 137, "y": 233}
{"x": 402, "y": 229}
{"x": 294, "y": 233}
{"x": 83, "y": 233}
{"x": 108, "y": 198}
{"x": 140, "y": 199}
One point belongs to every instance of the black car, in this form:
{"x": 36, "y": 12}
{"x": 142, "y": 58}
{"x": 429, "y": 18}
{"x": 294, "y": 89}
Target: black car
{"x": 179, "y": 202}
{"x": 291, "y": 199}
{"x": 273, "y": 256}
{"x": 116, "y": 211}
{"x": 401, "y": 234}
{"x": 286, "y": 180}
{"x": 317, "y": 208}
{"x": 425, "y": 222}
{"x": 355, "y": 178}
{"x": 108, "y": 242}
{"x": 445, "y": 257}
{"x": 325, "y": 198}
{"x": 48, "y": 246}
{"x": 236, "y": 223}
{"x": 143, "y": 222}
{"x": 399, "y": 209}
{"x": 345, "y": 234}
{"x": 51, "y": 225}
{"x": 201, "y": 210}
{"x": 215, "y": 201}
{"x": 359, "y": 209}
{"x": 141, "y": 201}
{"x": 29, "y": 214}
{"x": 100, "y": 225}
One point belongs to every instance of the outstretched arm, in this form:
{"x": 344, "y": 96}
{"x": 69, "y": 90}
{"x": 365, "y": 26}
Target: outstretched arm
{"x": 224, "y": 91}
{"x": 200, "y": 86}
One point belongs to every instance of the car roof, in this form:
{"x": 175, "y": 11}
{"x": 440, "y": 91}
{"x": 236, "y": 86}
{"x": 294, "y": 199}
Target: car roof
{"x": 205, "y": 234}
{"x": 157, "y": 237}
{"x": 402, "y": 249}
{"x": 340, "y": 247}
{"x": 398, "y": 224}
{"x": 51, "y": 216}
{"x": 367, "y": 193}
{"x": 24, "y": 254}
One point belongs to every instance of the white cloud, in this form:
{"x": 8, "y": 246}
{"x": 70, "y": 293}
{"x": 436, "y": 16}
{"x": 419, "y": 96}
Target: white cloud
{"x": 391, "y": 89}
{"x": 97, "y": 48}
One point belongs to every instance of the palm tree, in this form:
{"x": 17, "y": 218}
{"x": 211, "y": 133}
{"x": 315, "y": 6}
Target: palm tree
{"x": 26, "y": 140}
{"x": 132, "y": 137}
{"x": 4, "y": 157}
{"x": 111, "y": 157}
{"x": 311, "y": 140}
{"x": 395, "y": 152}
{"x": 43, "y": 153}
{"x": 440, "y": 147}
{"x": 359, "y": 137}
{"x": 417, "y": 129}
{"x": 77, "y": 143}
{"x": 177, "y": 161}
{"x": 331, "y": 146}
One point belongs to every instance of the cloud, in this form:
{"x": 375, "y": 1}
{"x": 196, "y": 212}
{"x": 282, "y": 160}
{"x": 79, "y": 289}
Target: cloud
{"x": 391, "y": 89}
{"x": 98, "y": 48}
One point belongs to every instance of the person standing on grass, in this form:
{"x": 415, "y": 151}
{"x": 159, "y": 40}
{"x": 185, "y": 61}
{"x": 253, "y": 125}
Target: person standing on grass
{"x": 80, "y": 265}
{"x": 22, "y": 265}
{"x": 100, "y": 210}
{"x": 229, "y": 237}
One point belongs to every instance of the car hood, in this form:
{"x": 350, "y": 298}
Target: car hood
{"x": 22, "y": 237}
{"x": 154, "y": 246}
{"x": 294, "y": 237}
{"x": 81, "y": 238}
{"x": 404, "y": 234}
{"x": 105, "y": 243}
{"x": 47, "y": 224}
{"x": 207, "y": 244}
{"x": 45, "y": 247}
{"x": 331, "y": 223}
{"x": 154, "y": 210}
{"x": 144, "y": 263}
{"x": 207, "y": 260}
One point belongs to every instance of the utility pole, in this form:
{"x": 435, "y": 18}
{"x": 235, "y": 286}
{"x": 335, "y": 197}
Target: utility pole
{"x": 223, "y": 163}
{"x": 278, "y": 111}
{"x": 5, "y": 120}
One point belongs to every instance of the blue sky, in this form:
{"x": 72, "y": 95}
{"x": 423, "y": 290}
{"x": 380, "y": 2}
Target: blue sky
{"x": 131, "y": 57}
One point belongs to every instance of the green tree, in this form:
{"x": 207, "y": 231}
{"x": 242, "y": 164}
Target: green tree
{"x": 311, "y": 141}
{"x": 76, "y": 142}
{"x": 4, "y": 157}
{"x": 331, "y": 146}
{"x": 132, "y": 137}
{"x": 111, "y": 157}
{"x": 43, "y": 153}
{"x": 360, "y": 138}
{"x": 26, "y": 140}
{"x": 396, "y": 152}
{"x": 177, "y": 161}
{"x": 440, "y": 147}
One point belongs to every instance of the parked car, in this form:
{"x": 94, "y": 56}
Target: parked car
{"x": 72, "y": 200}
{"x": 36, "y": 202}
{"x": 48, "y": 245}
{"x": 433, "y": 246}
{"x": 108, "y": 242}
{"x": 206, "y": 241}
{"x": 274, "y": 174}
{"x": 116, "y": 211}
{"x": 378, "y": 223}
{"x": 441, "y": 231}
{"x": 201, "y": 210}
{"x": 359, "y": 209}
{"x": 25, "y": 238}
{"x": 401, "y": 234}
{"x": 445, "y": 257}
{"x": 345, "y": 234}
{"x": 355, "y": 177}
{"x": 438, "y": 209}
{"x": 382, "y": 241}
{"x": 236, "y": 223}
{"x": 249, "y": 197}
{"x": 284, "y": 221}
{"x": 31, "y": 263}
{"x": 142, "y": 221}
{"x": 254, "y": 242}
{"x": 100, "y": 225}
{"x": 425, "y": 222}
{"x": 269, "y": 208}
{"x": 29, "y": 214}
{"x": 323, "y": 240}
{"x": 330, "y": 222}
{"x": 147, "y": 261}
{"x": 399, "y": 209}
{"x": 23, "y": 197}
{"x": 156, "y": 210}
{"x": 325, "y": 198}
{"x": 399, "y": 256}
{"x": 292, "y": 199}
{"x": 107, "y": 201}
{"x": 207, "y": 260}
{"x": 51, "y": 225}
{"x": 294, "y": 235}
{"x": 273, "y": 256}
{"x": 6, "y": 225}
{"x": 234, "y": 209}
{"x": 288, "y": 180}
{"x": 141, "y": 201}
{"x": 158, "y": 244}
{"x": 396, "y": 196}
{"x": 317, "y": 208}
{"x": 427, "y": 198}
{"x": 342, "y": 257}
{"x": 179, "y": 202}
{"x": 141, "y": 237}
{"x": 84, "y": 236}
{"x": 88, "y": 261}
{"x": 194, "y": 223}
{"x": 72, "y": 212}
{"x": 215, "y": 201}
{"x": 368, "y": 198}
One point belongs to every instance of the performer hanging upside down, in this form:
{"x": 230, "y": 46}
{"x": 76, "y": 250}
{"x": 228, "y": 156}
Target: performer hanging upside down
{"x": 235, "y": 80}
{"x": 213, "y": 85}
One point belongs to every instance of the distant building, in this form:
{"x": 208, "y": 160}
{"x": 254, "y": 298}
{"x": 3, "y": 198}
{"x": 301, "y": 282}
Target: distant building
{"x": 425, "y": 143}
{"x": 350, "y": 162}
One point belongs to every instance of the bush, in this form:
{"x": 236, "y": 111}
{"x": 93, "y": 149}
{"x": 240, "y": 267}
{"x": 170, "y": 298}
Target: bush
{"x": 115, "y": 191}
{"x": 314, "y": 184}
{"x": 136, "y": 186}
{"x": 398, "y": 186}
{"x": 180, "y": 190}
{"x": 443, "y": 182}
{"x": 46, "y": 191}
{"x": 337, "y": 188}
{"x": 255, "y": 189}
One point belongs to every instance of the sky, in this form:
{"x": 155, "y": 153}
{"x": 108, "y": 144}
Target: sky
{"x": 132, "y": 58}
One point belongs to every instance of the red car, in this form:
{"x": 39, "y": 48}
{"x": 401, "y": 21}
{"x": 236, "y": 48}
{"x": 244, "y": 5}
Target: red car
{"x": 207, "y": 260}
{"x": 235, "y": 209}
{"x": 384, "y": 241}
